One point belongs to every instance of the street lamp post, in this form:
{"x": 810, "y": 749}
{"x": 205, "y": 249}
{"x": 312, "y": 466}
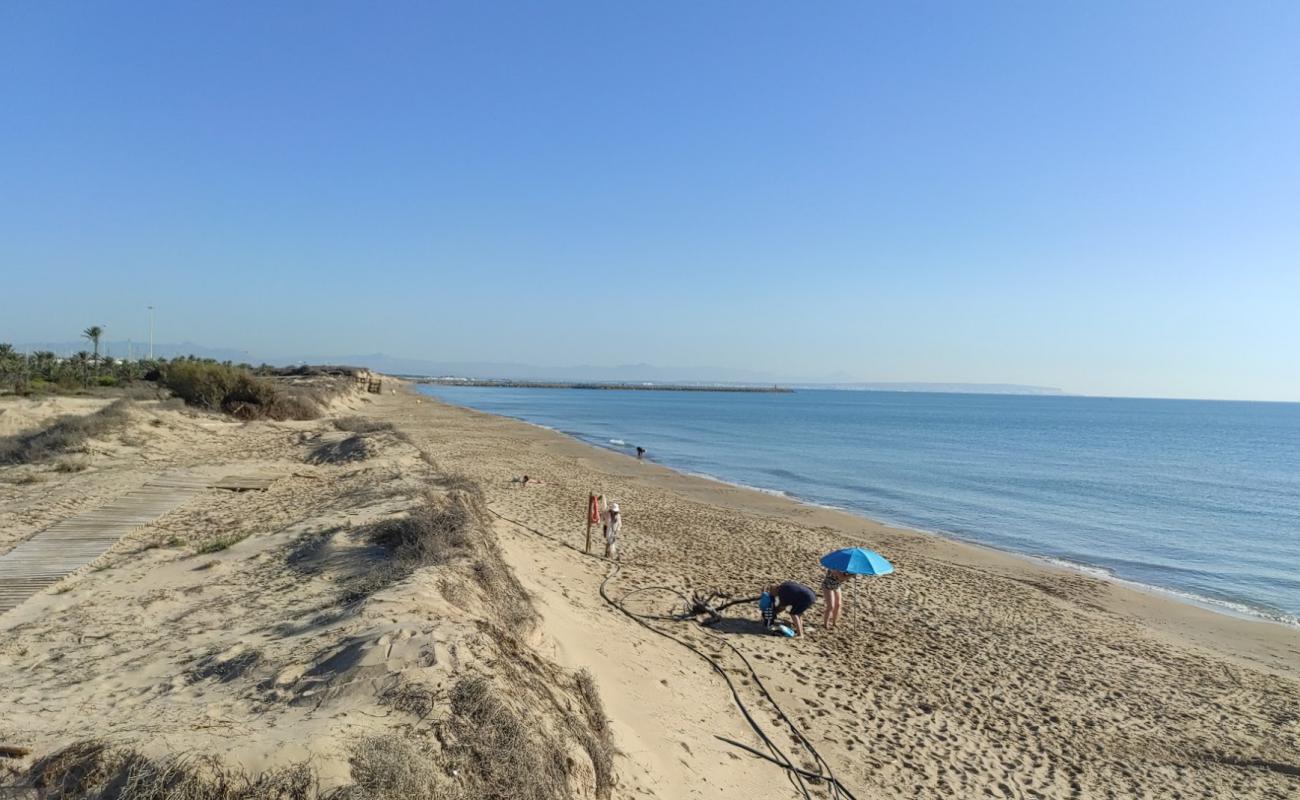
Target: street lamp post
{"x": 151, "y": 333}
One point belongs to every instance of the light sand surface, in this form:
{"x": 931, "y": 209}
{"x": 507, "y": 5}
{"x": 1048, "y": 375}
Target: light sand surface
{"x": 967, "y": 673}
{"x": 23, "y": 414}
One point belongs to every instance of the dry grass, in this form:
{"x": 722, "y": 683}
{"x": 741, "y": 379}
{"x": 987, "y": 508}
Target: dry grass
{"x": 447, "y": 527}
{"x": 305, "y": 552}
{"x": 225, "y": 670}
{"x": 363, "y": 425}
{"x": 499, "y": 753}
{"x": 437, "y": 530}
{"x": 410, "y": 697}
{"x": 216, "y": 545}
{"x": 391, "y": 768}
{"x": 95, "y": 770}
{"x": 507, "y": 596}
{"x": 353, "y": 448}
{"x": 598, "y": 738}
{"x": 65, "y": 435}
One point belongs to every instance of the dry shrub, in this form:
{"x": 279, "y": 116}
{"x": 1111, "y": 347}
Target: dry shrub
{"x": 410, "y": 697}
{"x": 457, "y": 482}
{"x": 507, "y": 596}
{"x": 353, "y": 448}
{"x": 94, "y": 770}
{"x": 234, "y": 390}
{"x": 499, "y": 754}
{"x": 305, "y": 553}
{"x": 225, "y": 670}
{"x": 598, "y": 738}
{"x": 489, "y": 752}
{"x": 390, "y": 768}
{"x": 290, "y": 406}
{"x": 444, "y": 528}
{"x": 64, "y": 435}
{"x": 363, "y": 425}
{"x": 437, "y": 530}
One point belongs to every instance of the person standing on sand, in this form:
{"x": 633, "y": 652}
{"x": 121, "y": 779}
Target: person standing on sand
{"x": 792, "y": 595}
{"x": 640, "y": 453}
{"x": 613, "y": 524}
{"x": 831, "y": 585}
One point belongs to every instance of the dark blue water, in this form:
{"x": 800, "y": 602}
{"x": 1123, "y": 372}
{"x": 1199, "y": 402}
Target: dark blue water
{"x": 1197, "y": 497}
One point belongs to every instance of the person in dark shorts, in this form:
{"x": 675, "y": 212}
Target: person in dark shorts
{"x": 792, "y": 595}
{"x": 831, "y": 594}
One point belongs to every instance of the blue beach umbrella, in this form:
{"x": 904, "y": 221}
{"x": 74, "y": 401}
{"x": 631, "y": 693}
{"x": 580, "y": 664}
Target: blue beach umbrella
{"x": 856, "y": 561}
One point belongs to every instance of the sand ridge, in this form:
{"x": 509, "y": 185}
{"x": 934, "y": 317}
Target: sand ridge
{"x": 251, "y": 625}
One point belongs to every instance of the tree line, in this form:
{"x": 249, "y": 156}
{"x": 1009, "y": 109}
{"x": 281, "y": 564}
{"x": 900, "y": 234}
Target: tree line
{"x": 46, "y": 371}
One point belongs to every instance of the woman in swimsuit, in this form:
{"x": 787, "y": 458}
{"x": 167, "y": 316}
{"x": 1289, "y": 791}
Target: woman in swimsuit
{"x": 831, "y": 594}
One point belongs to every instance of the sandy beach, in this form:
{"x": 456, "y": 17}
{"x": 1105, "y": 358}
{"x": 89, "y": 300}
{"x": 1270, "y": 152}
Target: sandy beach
{"x": 967, "y": 673}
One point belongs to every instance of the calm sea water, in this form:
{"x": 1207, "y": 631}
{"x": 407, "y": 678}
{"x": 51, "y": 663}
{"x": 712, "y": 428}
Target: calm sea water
{"x": 1199, "y": 498}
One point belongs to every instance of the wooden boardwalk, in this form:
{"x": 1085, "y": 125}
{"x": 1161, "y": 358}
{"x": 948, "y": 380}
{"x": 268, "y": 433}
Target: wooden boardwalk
{"x": 67, "y": 546}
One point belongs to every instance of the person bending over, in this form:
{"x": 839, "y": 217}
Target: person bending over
{"x": 792, "y": 595}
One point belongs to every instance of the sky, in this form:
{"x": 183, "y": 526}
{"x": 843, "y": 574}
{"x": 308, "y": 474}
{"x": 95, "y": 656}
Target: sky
{"x": 1102, "y": 197}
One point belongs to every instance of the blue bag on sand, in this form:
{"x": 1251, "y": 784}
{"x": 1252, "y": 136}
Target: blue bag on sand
{"x": 785, "y": 630}
{"x": 765, "y": 608}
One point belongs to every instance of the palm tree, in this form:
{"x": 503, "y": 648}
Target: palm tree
{"x": 44, "y": 363}
{"x": 93, "y": 333}
{"x": 83, "y": 360}
{"x": 8, "y": 363}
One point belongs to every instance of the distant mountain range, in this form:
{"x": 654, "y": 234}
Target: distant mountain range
{"x": 624, "y": 373}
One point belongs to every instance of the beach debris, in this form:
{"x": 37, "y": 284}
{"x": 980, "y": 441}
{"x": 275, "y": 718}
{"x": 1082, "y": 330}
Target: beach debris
{"x": 712, "y": 605}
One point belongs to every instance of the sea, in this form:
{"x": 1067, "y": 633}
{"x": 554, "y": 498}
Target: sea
{"x": 1197, "y": 499}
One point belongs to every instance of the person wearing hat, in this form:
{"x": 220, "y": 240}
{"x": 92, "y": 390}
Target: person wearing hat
{"x": 613, "y": 522}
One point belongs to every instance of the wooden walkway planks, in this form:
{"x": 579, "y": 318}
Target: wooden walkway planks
{"x": 67, "y": 546}
{"x": 244, "y": 483}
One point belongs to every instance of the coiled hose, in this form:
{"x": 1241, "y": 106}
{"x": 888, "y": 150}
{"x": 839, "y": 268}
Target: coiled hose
{"x": 799, "y": 777}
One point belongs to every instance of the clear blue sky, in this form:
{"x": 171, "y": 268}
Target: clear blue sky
{"x": 1099, "y": 196}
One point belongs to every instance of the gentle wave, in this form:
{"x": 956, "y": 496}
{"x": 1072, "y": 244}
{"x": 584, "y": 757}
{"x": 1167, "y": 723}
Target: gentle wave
{"x": 738, "y": 485}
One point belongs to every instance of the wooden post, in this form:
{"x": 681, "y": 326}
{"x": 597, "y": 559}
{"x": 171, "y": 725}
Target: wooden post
{"x": 591, "y": 505}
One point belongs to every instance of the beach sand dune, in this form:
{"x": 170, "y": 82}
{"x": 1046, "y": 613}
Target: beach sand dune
{"x": 286, "y": 632}
{"x": 265, "y": 627}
